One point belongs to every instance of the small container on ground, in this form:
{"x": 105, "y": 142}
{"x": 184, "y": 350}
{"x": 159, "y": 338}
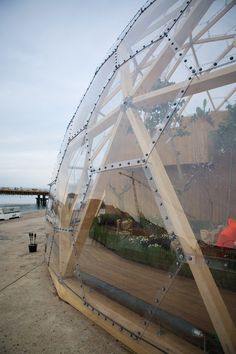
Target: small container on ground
{"x": 33, "y": 247}
{"x": 32, "y": 244}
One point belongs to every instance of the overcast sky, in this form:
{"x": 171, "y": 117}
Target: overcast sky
{"x": 49, "y": 50}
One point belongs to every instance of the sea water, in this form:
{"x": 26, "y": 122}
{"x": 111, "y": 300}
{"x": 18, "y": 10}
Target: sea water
{"x": 26, "y": 204}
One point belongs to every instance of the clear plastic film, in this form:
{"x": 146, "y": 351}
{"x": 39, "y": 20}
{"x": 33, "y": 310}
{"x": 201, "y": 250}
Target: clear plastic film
{"x": 142, "y": 204}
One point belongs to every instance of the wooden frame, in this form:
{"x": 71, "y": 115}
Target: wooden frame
{"x": 132, "y": 88}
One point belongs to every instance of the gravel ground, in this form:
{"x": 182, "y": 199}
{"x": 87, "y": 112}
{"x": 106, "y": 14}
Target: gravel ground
{"x": 33, "y": 319}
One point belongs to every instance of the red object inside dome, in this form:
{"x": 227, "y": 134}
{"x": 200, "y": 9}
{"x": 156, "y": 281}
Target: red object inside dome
{"x": 227, "y": 237}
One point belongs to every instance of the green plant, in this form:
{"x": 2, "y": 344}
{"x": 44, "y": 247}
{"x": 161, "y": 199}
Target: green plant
{"x": 134, "y": 248}
{"x": 140, "y": 250}
{"x": 202, "y": 113}
{"x": 156, "y": 115}
{"x": 225, "y": 144}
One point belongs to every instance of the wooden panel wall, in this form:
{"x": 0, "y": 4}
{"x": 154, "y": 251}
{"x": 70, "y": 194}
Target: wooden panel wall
{"x": 191, "y": 148}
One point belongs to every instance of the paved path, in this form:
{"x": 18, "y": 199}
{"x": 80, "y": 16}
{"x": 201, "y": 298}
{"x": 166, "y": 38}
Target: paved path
{"x": 33, "y": 319}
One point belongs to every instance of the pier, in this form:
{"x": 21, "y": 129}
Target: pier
{"x": 41, "y": 194}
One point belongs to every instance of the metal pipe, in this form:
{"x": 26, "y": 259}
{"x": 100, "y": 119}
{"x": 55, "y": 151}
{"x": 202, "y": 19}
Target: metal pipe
{"x": 141, "y": 307}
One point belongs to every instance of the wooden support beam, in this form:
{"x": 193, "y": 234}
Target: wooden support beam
{"x": 222, "y": 37}
{"x": 109, "y": 97}
{"x": 198, "y": 40}
{"x": 125, "y": 80}
{"x": 161, "y": 22}
{"x": 89, "y": 212}
{"x": 197, "y": 12}
{"x": 175, "y": 66}
{"x": 226, "y": 98}
{"x": 145, "y": 62}
{"x": 66, "y": 211}
{"x": 104, "y": 99}
{"x": 72, "y": 253}
{"x": 207, "y": 81}
{"x": 214, "y": 20}
{"x": 211, "y": 296}
{"x": 100, "y": 147}
{"x": 185, "y": 103}
{"x": 194, "y": 52}
{"x": 103, "y": 124}
{"x": 211, "y": 100}
{"x": 224, "y": 53}
{"x": 150, "y": 343}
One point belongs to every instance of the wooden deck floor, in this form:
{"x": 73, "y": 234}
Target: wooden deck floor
{"x": 145, "y": 282}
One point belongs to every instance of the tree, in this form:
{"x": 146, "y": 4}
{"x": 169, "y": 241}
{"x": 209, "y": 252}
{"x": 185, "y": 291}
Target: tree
{"x": 202, "y": 113}
{"x": 225, "y": 135}
{"x": 176, "y": 127}
{"x": 157, "y": 113}
{"x": 225, "y": 143}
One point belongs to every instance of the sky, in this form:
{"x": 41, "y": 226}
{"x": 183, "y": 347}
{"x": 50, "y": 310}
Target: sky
{"x": 49, "y": 51}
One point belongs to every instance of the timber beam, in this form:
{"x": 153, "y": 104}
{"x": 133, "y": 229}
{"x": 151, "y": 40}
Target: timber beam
{"x": 206, "y": 81}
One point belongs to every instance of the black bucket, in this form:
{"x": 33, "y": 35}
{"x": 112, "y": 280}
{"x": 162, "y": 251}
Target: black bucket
{"x": 33, "y": 247}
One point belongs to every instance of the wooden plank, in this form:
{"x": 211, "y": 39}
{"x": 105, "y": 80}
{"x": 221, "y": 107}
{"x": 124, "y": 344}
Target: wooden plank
{"x": 207, "y": 81}
{"x": 211, "y": 296}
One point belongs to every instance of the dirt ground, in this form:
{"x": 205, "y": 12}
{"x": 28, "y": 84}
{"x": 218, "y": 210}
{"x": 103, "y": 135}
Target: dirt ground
{"x": 33, "y": 319}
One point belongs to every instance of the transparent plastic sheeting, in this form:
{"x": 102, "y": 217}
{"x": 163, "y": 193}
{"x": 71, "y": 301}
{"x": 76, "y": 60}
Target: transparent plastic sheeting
{"x": 204, "y": 178}
{"x": 161, "y": 108}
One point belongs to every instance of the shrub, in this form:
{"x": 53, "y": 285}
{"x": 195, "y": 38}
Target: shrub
{"x": 137, "y": 249}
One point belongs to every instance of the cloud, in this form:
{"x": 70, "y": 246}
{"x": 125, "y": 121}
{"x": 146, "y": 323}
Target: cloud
{"x": 49, "y": 53}
{"x": 25, "y": 166}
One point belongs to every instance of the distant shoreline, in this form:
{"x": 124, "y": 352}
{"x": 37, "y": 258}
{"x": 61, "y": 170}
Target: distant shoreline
{"x": 26, "y": 215}
{"x": 24, "y": 207}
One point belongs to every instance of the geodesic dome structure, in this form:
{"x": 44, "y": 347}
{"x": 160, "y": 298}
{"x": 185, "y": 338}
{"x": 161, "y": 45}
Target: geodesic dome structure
{"x": 142, "y": 206}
